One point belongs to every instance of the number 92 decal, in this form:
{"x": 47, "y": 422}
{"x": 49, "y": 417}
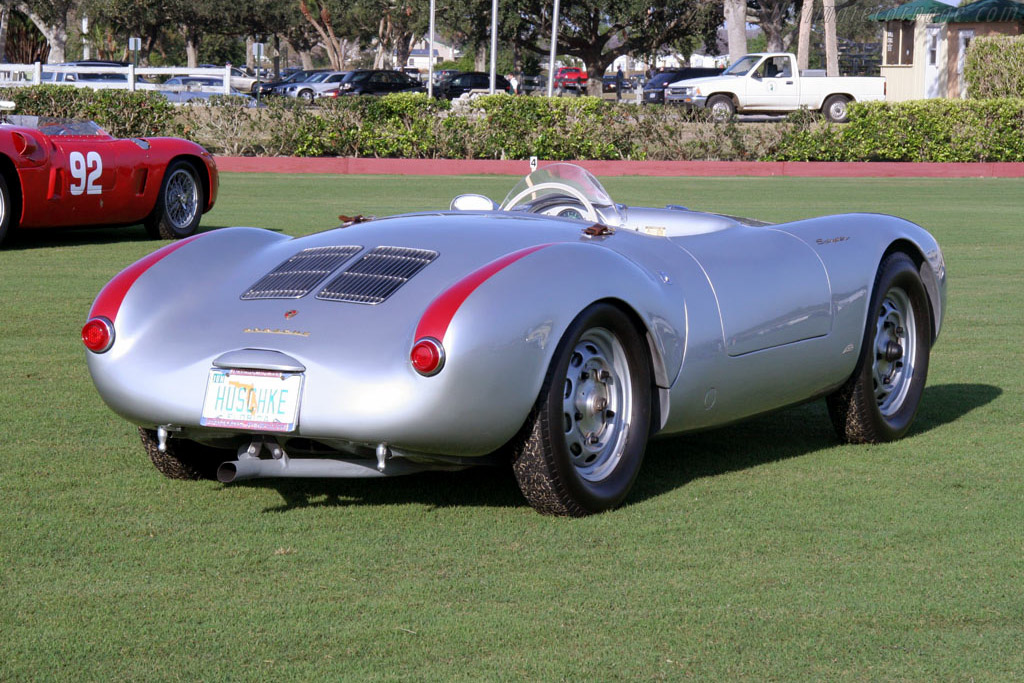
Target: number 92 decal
{"x": 86, "y": 169}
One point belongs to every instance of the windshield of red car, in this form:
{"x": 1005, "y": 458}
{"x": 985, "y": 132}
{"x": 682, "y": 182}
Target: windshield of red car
{"x": 49, "y": 125}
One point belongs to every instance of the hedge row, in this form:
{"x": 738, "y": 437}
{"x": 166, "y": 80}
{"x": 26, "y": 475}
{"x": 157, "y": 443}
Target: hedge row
{"x": 921, "y": 130}
{"x": 995, "y": 67}
{"x": 503, "y": 127}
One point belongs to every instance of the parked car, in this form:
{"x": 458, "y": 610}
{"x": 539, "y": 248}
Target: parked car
{"x": 240, "y": 80}
{"x": 374, "y": 349}
{"x": 654, "y": 89}
{"x": 377, "y": 82}
{"x": 92, "y": 75}
{"x": 571, "y": 78}
{"x": 468, "y": 82}
{"x": 442, "y": 74}
{"x": 69, "y": 172}
{"x": 532, "y": 83}
{"x": 186, "y": 89}
{"x": 610, "y": 83}
{"x": 314, "y": 85}
{"x": 770, "y": 83}
{"x": 277, "y": 87}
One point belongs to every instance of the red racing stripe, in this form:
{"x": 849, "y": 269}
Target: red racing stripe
{"x": 110, "y": 297}
{"x": 441, "y": 310}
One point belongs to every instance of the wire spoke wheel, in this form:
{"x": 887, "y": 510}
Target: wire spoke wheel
{"x": 179, "y": 205}
{"x": 182, "y": 199}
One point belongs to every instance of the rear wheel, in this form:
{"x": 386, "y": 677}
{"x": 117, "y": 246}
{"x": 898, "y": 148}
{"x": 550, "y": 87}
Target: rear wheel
{"x": 585, "y": 438}
{"x": 306, "y": 95}
{"x": 835, "y": 108}
{"x": 182, "y": 459}
{"x": 179, "y": 205}
{"x": 879, "y": 401}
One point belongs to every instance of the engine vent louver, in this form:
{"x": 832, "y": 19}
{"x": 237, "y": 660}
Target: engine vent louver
{"x": 299, "y": 275}
{"x": 376, "y": 276}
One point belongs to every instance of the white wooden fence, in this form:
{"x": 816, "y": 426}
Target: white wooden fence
{"x": 16, "y": 75}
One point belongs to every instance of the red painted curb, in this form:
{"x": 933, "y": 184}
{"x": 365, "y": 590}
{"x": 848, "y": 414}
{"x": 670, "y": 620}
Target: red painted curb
{"x": 797, "y": 169}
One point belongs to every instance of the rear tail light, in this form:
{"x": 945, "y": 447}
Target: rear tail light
{"x": 331, "y": 93}
{"x": 98, "y": 335}
{"x": 427, "y": 356}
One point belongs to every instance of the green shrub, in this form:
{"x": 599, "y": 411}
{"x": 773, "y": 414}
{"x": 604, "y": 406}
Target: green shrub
{"x": 121, "y": 113}
{"x": 504, "y": 127}
{"x": 920, "y": 130}
{"x": 995, "y": 67}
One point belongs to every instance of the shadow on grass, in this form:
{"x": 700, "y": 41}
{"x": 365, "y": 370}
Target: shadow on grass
{"x": 670, "y": 463}
{"x": 48, "y": 238}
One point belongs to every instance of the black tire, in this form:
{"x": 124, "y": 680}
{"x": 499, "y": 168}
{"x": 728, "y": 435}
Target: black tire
{"x": 879, "y": 401}
{"x": 835, "y": 108}
{"x": 601, "y": 374}
{"x": 722, "y": 107}
{"x": 306, "y": 96}
{"x": 179, "y": 205}
{"x": 5, "y": 209}
{"x": 183, "y": 459}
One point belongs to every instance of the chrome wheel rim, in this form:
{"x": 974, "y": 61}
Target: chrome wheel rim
{"x": 182, "y": 199}
{"x": 721, "y": 110}
{"x": 895, "y": 351}
{"x": 838, "y": 111}
{"x": 596, "y": 404}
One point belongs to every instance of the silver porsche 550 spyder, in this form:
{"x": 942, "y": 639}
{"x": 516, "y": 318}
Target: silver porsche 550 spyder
{"x": 555, "y": 332}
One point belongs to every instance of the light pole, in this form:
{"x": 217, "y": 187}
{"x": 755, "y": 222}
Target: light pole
{"x": 554, "y": 50}
{"x": 430, "y": 54}
{"x": 494, "y": 42}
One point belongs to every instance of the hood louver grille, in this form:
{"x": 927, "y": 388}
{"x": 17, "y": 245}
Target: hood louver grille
{"x": 301, "y": 274}
{"x": 376, "y": 276}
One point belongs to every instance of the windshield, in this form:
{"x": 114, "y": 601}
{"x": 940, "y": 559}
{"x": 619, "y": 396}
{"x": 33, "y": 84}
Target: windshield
{"x": 662, "y": 79}
{"x": 561, "y": 181}
{"x": 49, "y": 125}
{"x": 743, "y": 66}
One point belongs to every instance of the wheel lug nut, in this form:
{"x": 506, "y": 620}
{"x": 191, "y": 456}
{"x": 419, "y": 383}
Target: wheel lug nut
{"x": 584, "y": 375}
{"x": 593, "y": 440}
{"x": 578, "y": 416}
{"x": 605, "y": 375}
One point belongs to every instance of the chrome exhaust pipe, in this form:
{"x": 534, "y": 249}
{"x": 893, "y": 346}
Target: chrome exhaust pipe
{"x": 311, "y": 468}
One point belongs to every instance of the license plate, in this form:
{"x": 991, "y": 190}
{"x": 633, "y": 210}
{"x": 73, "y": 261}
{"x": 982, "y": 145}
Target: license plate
{"x": 254, "y": 400}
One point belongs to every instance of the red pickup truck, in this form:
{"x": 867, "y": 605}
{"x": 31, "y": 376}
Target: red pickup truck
{"x": 571, "y": 78}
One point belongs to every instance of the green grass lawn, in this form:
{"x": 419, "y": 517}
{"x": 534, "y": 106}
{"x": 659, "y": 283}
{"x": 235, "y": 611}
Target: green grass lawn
{"x": 764, "y": 550}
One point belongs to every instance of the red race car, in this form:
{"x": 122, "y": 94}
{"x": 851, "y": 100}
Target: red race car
{"x": 64, "y": 172}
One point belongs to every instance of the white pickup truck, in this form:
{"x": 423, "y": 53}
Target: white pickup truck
{"x": 769, "y": 82}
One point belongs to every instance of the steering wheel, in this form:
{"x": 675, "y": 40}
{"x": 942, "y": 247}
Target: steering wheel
{"x": 589, "y": 212}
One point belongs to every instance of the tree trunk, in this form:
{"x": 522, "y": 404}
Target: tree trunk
{"x": 250, "y": 58}
{"x": 56, "y": 33}
{"x": 306, "y": 57}
{"x": 803, "y": 47}
{"x": 191, "y": 47}
{"x": 736, "y": 28}
{"x": 324, "y": 28}
{"x": 480, "y": 63}
{"x": 831, "y": 46}
{"x": 5, "y": 18}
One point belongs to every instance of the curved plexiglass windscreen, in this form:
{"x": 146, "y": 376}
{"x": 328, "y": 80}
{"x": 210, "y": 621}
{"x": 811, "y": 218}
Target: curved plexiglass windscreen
{"x": 49, "y": 125}
{"x": 562, "y": 181}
